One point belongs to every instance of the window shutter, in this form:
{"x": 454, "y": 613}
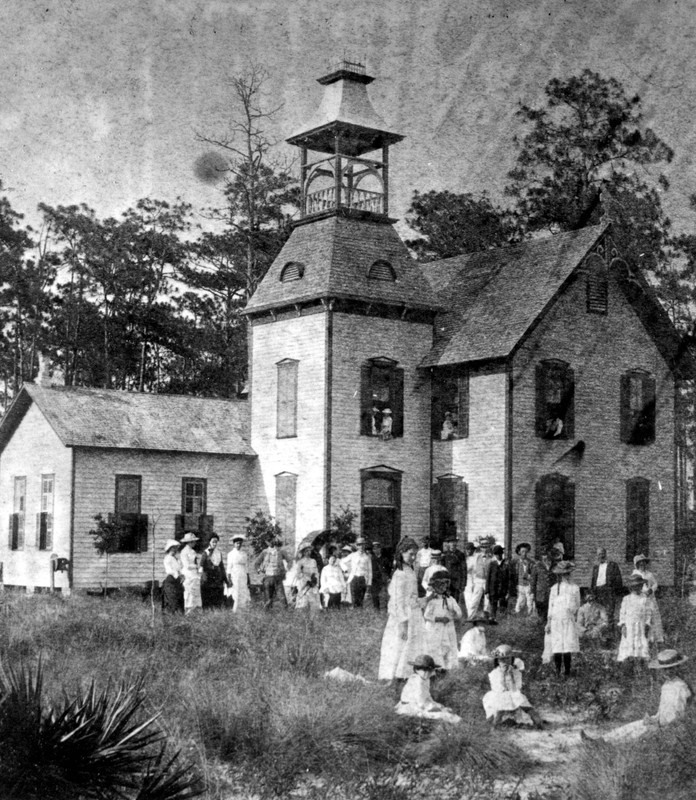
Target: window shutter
{"x": 396, "y": 398}
{"x": 463, "y": 413}
{"x": 48, "y": 532}
{"x": 569, "y": 403}
{"x": 20, "y": 531}
{"x": 40, "y": 534}
{"x": 541, "y": 399}
{"x": 648, "y": 416}
{"x": 178, "y": 526}
{"x": 569, "y": 519}
{"x": 141, "y": 533}
{"x": 437, "y": 413}
{"x": 205, "y": 525}
{"x": 366, "y": 399}
{"x": 286, "y": 423}
{"x": 461, "y": 508}
{"x": 12, "y": 532}
{"x": 637, "y": 517}
{"x": 625, "y": 409}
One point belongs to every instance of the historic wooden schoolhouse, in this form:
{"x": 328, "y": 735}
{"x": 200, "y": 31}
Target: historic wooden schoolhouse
{"x": 524, "y": 392}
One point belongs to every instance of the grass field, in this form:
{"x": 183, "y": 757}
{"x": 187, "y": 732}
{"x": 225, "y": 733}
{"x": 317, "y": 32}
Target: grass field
{"x": 243, "y": 698}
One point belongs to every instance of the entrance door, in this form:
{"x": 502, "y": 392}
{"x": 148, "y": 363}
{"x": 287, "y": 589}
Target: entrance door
{"x": 381, "y": 506}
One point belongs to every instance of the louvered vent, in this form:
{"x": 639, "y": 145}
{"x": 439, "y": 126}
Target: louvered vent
{"x": 293, "y": 271}
{"x": 382, "y": 271}
{"x": 597, "y": 292}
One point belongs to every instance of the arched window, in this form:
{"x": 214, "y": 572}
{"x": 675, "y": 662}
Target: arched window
{"x": 382, "y": 271}
{"x": 292, "y": 271}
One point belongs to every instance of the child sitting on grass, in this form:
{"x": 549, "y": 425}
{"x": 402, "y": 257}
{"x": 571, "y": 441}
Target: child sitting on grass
{"x": 415, "y": 696}
{"x": 505, "y": 703}
{"x": 474, "y": 648}
{"x": 674, "y": 697}
{"x": 634, "y": 623}
{"x": 439, "y": 615}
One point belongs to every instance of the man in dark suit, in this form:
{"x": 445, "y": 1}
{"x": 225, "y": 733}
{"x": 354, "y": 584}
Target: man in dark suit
{"x": 497, "y": 581}
{"x": 606, "y": 584}
{"x": 454, "y": 562}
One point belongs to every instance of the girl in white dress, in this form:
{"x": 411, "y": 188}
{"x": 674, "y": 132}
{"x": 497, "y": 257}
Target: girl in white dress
{"x": 473, "y": 647}
{"x": 238, "y": 574}
{"x": 635, "y": 620}
{"x": 191, "y": 568}
{"x": 440, "y": 613}
{"x": 564, "y": 602}
{"x": 505, "y": 701}
{"x": 403, "y": 633}
{"x": 416, "y": 700}
{"x": 641, "y": 564}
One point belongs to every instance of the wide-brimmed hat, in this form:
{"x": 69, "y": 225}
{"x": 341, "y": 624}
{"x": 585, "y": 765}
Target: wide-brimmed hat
{"x": 666, "y": 659}
{"x": 239, "y": 537}
{"x": 485, "y": 541}
{"x": 189, "y": 537}
{"x": 361, "y": 540}
{"x": 481, "y": 617}
{"x": 439, "y": 575}
{"x": 563, "y": 568}
{"x": 521, "y": 545}
{"x": 171, "y": 543}
{"x": 640, "y": 557}
{"x": 424, "y": 662}
{"x": 407, "y": 543}
{"x": 387, "y": 411}
{"x": 498, "y": 550}
{"x": 502, "y": 651}
{"x": 635, "y": 580}
{"x": 435, "y": 553}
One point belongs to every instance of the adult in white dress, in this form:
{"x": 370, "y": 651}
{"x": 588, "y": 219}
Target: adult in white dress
{"x": 561, "y": 625}
{"x": 306, "y": 581}
{"x": 238, "y": 574}
{"x": 191, "y": 568}
{"x": 403, "y": 634}
{"x": 641, "y": 564}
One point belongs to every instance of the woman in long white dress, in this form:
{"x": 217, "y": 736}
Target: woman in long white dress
{"x": 306, "y": 582}
{"x": 238, "y": 574}
{"x": 191, "y": 568}
{"x": 641, "y": 564}
{"x": 403, "y": 634}
{"x": 564, "y": 603}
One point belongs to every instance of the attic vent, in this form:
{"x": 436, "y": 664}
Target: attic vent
{"x": 597, "y": 285}
{"x": 382, "y": 271}
{"x": 292, "y": 271}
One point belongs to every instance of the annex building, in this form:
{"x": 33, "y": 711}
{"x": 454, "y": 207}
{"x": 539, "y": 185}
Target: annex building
{"x": 525, "y": 392}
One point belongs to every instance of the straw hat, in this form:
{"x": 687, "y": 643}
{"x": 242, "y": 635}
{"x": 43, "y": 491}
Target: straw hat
{"x": 424, "y": 662}
{"x": 239, "y": 537}
{"x": 189, "y": 537}
{"x": 171, "y": 543}
{"x": 640, "y": 557}
{"x": 563, "y": 568}
{"x": 666, "y": 659}
{"x": 634, "y": 581}
{"x": 480, "y": 617}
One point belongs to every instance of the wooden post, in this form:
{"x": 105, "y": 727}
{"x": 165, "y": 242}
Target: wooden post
{"x": 337, "y": 172}
{"x": 385, "y": 179}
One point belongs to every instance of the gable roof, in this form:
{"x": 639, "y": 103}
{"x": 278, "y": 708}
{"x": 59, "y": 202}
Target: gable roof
{"x": 495, "y": 296}
{"x": 337, "y": 253}
{"x": 133, "y": 420}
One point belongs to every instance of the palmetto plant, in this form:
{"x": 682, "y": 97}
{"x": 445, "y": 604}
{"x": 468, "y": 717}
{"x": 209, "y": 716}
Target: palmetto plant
{"x": 98, "y": 745}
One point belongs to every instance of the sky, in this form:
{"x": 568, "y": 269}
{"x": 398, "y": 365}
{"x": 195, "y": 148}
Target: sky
{"x": 101, "y": 100}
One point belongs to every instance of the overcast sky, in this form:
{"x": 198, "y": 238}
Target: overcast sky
{"x": 100, "y": 100}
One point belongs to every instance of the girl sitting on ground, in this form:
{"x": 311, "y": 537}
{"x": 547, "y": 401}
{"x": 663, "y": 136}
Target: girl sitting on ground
{"x": 439, "y": 615}
{"x": 474, "y": 648}
{"x": 416, "y": 700}
{"x": 634, "y": 623}
{"x": 505, "y": 703}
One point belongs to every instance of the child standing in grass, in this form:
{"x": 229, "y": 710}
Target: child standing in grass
{"x": 439, "y": 615}
{"x": 416, "y": 700}
{"x": 634, "y": 622}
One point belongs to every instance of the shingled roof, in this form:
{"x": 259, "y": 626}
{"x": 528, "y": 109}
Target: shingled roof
{"x": 492, "y": 298}
{"x": 337, "y": 253}
{"x": 133, "y": 420}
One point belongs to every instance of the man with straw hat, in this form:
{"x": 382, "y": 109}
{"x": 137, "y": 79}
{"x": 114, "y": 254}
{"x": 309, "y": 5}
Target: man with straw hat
{"x": 674, "y": 697}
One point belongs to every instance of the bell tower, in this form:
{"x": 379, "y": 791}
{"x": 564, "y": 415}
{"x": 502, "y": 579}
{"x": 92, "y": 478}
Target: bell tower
{"x": 340, "y": 413}
{"x": 345, "y": 149}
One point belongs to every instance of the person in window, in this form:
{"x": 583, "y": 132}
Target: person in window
{"x": 385, "y": 431}
{"x": 238, "y": 574}
{"x": 650, "y": 586}
{"x": 554, "y": 428}
{"x": 213, "y": 577}
{"x": 376, "y": 421}
{"x": 173, "y": 584}
{"x": 564, "y": 602}
{"x": 403, "y": 633}
{"x": 449, "y": 428}
{"x": 360, "y": 572}
{"x": 190, "y": 563}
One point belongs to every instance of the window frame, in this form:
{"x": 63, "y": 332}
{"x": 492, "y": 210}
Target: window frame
{"x": 566, "y": 489}
{"x": 396, "y": 478}
{"x": 439, "y": 404}
{"x": 371, "y": 407}
{"x": 17, "y": 527}
{"x": 44, "y": 519}
{"x": 204, "y": 495}
{"x": 134, "y": 523}
{"x": 287, "y": 380}
{"x": 638, "y": 425}
{"x": 637, "y": 523}
{"x": 548, "y": 411}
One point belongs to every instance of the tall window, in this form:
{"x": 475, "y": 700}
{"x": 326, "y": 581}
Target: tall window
{"x": 44, "y": 521}
{"x": 127, "y": 513}
{"x": 555, "y": 513}
{"x": 555, "y": 400}
{"x": 287, "y": 399}
{"x": 381, "y": 505}
{"x": 286, "y": 503}
{"x": 17, "y": 519}
{"x": 450, "y": 404}
{"x": 382, "y": 399}
{"x": 637, "y": 517}
{"x": 193, "y": 495}
{"x": 637, "y": 407}
{"x": 450, "y": 507}
{"x": 597, "y": 284}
